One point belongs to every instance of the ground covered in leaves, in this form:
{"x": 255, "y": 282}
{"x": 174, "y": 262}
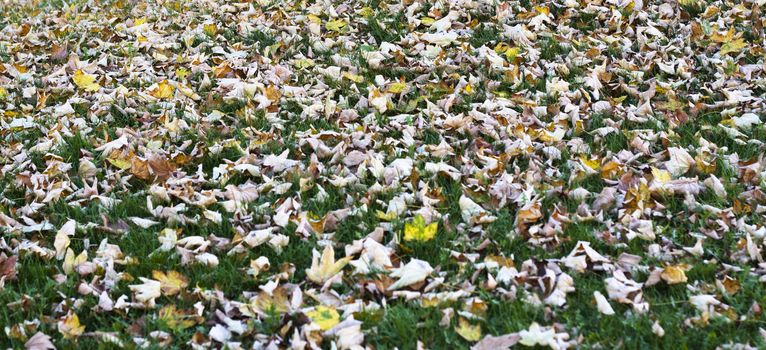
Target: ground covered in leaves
{"x": 379, "y": 174}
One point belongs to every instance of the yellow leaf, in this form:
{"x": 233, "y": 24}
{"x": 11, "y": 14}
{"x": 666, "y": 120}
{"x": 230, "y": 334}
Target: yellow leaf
{"x": 386, "y": 216}
{"x": 673, "y": 275}
{"x": 314, "y": 19}
{"x": 353, "y": 77}
{"x": 552, "y": 136}
{"x": 171, "y": 282}
{"x": 210, "y": 29}
{"x": 325, "y": 317}
{"x": 303, "y": 63}
{"x": 591, "y": 163}
{"x": 335, "y": 25}
{"x": 324, "y": 268}
{"x": 512, "y": 53}
{"x": 661, "y": 176}
{"x": 70, "y": 326}
{"x": 181, "y": 73}
{"x": 71, "y": 261}
{"x": 427, "y": 21}
{"x": 468, "y": 331}
{"x": 366, "y": 12}
{"x": 61, "y": 241}
{"x": 139, "y": 21}
{"x": 122, "y": 164}
{"x": 610, "y": 170}
{"x": 272, "y": 93}
{"x": 163, "y": 90}
{"x": 733, "y": 46}
{"x": 3, "y": 93}
{"x": 715, "y": 36}
{"x": 397, "y": 87}
{"x": 20, "y": 68}
{"x": 417, "y": 230}
{"x": 177, "y": 319}
{"x": 711, "y": 11}
{"x": 85, "y": 81}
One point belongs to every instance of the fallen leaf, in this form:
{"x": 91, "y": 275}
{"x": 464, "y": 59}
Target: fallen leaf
{"x": 673, "y": 274}
{"x": 171, "y": 282}
{"x": 415, "y": 271}
{"x": 148, "y": 291}
{"x": 39, "y": 341}
{"x": 85, "y": 81}
{"x": 603, "y": 305}
{"x": 537, "y": 335}
{"x": 71, "y": 261}
{"x": 501, "y": 342}
{"x": 325, "y": 268}
{"x": 61, "y": 242}
{"x": 7, "y": 267}
{"x": 732, "y": 46}
{"x": 468, "y": 331}
{"x": 337, "y": 25}
{"x": 417, "y": 230}
{"x": 70, "y": 326}
{"x": 325, "y": 317}
{"x": 162, "y": 90}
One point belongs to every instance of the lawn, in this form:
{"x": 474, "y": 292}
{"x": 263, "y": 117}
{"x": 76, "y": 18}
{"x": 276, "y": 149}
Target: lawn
{"x": 382, "y": 174}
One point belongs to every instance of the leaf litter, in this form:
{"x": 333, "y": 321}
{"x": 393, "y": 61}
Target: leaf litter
{"x": 292, "y": 174}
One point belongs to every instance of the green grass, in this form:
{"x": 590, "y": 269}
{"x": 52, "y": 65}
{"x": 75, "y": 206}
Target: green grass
{"x": 248, "y": 133}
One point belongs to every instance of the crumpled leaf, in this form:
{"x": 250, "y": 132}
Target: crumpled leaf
{"x": 147, "y": 291}
{"x": 413, "y": 272}
{"x": 71, "y": 261}
{"x": 680, "y": 161}
{"x": 69, "y": 326}
{"x": 61, "y": 242}
{"x": 603, "y": 305}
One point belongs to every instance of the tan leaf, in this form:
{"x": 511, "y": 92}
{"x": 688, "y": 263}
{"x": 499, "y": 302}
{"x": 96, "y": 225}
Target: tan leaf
{"x": 39, "y": 341}
{"x": 7, "y": 267}
{"x": 172, "y": 282}
{"x": 325, "y": 268}
{"x": 160, "y": 166}
{"x": 673, "y": 274}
